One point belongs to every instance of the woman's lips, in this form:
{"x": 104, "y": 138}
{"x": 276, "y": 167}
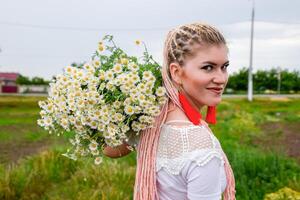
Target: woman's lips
{"x": 216, "y": 91}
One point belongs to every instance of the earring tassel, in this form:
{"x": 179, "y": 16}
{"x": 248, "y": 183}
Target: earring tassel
{"x": 211, "y": 115}
{"x": 193, "y": 115}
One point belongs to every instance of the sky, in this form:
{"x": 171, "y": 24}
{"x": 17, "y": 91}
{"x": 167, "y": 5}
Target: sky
{"x": 41, "y": 37}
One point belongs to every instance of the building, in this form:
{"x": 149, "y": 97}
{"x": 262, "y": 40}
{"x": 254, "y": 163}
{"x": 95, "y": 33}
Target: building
{"x": 8, "y": 82}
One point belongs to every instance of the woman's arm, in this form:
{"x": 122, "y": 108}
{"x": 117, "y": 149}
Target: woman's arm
{"x": 116, "y": 152}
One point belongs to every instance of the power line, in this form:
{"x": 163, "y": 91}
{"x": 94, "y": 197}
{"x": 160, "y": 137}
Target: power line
{"x": 42, "y": 56}
{"x": 38, "y": 55}
{"x": 80, "y": 28}
{"x": 70, "y": 28}
{"x": 278, "y": 22}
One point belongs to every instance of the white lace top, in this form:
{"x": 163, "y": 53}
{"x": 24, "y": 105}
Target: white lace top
{"x": 185, "y": 141}
{"x": 181, "y": 141}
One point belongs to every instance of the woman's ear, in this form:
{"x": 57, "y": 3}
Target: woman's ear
{"x": 176, "y": 72}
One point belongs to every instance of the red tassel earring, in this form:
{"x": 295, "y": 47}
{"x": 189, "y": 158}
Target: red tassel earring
{"x": 194, "y": 115}
{"x": 211, "y": 115}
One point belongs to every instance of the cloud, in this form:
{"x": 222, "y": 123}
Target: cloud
{"x": 275, "y": 44}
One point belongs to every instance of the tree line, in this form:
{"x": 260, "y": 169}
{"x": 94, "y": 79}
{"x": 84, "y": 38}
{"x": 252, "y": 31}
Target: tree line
{"x": 24, "y": 80}
{"x": 263, "y": 81}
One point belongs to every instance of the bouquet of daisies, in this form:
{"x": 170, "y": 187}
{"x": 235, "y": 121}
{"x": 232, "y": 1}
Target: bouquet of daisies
{"x": 104, "y": 100}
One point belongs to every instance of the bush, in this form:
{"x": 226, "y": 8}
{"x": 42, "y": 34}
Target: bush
{"x": 283, "y": 194}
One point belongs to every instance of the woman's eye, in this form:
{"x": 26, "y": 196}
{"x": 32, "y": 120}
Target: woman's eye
{"x": 225, "y": 67}
{"x": 208, "y": 67}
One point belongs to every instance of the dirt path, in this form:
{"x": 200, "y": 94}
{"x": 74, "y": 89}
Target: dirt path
{"x": 11, "y": 152}
{"x": 281, "y": 137}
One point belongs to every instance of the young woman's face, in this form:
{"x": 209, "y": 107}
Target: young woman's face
{"x": 206, "y": 70}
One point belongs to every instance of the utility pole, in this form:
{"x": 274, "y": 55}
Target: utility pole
{"x": 279, "y": 79}
{"x": 250, "y": 82}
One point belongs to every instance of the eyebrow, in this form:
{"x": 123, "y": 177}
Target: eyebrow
{"x": 212, "y": 63}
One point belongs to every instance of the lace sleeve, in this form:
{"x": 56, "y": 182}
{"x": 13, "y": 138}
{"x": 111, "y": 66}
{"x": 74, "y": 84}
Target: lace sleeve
{"x": 179, "y": 143}
{"x": 218, "y": 145}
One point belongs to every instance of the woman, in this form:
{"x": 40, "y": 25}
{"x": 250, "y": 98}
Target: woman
{"x": 180, "y": 158}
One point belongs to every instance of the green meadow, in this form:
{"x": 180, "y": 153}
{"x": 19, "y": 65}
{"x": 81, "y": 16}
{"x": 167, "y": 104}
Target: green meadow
{"x": 261, "y": 140}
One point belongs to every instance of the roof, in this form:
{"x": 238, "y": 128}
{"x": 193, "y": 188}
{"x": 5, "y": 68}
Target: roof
{"x": 8, "y": 76}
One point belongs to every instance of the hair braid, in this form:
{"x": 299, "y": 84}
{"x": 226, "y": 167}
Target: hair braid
{"x": 180, "y": 43}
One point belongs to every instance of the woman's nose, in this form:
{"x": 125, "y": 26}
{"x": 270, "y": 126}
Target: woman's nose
{"x": 220, "y": 77}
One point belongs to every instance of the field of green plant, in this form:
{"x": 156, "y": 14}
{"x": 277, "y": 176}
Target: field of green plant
{"x": 261, "y": 140}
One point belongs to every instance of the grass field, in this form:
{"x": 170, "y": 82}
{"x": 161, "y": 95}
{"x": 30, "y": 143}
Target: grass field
{"x": 261, "y": 140}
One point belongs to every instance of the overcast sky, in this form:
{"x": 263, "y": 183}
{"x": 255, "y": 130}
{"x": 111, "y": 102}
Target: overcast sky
{"x": 39, "y": 38}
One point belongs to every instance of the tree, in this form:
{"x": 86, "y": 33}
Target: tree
{"x": 239, "y": 81}
{"x": 23, "y": 80}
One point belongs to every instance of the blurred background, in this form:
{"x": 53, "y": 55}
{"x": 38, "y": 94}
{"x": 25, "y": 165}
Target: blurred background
{"x": 259, "y": 133}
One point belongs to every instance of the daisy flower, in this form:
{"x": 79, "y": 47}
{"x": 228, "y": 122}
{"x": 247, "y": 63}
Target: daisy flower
{"x": 133, "y": 67}
{"x": 98, "y": 160}
{"x": 93, "y": 146}
{"x": 147, "y": 75}
{"x": 129, "y": 110}
{"x": 117, "y": 68}
{"x": 137, "y": 42}
{"x": 124, "y": 61}
{"x": 109, "y": 75}
{"x": 160, "y": 91}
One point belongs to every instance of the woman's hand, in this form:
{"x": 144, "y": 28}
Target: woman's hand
{"x": 116, "y": 152}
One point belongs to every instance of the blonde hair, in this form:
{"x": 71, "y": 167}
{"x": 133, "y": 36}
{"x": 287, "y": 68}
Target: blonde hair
{"x": 180, "y": 43}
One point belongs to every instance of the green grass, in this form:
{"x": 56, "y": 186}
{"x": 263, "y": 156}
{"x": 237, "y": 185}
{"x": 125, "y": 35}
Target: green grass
{"x": 52, "y": 176}
{"x": 48, "y": 175}
{"x": 258, "y": 173}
